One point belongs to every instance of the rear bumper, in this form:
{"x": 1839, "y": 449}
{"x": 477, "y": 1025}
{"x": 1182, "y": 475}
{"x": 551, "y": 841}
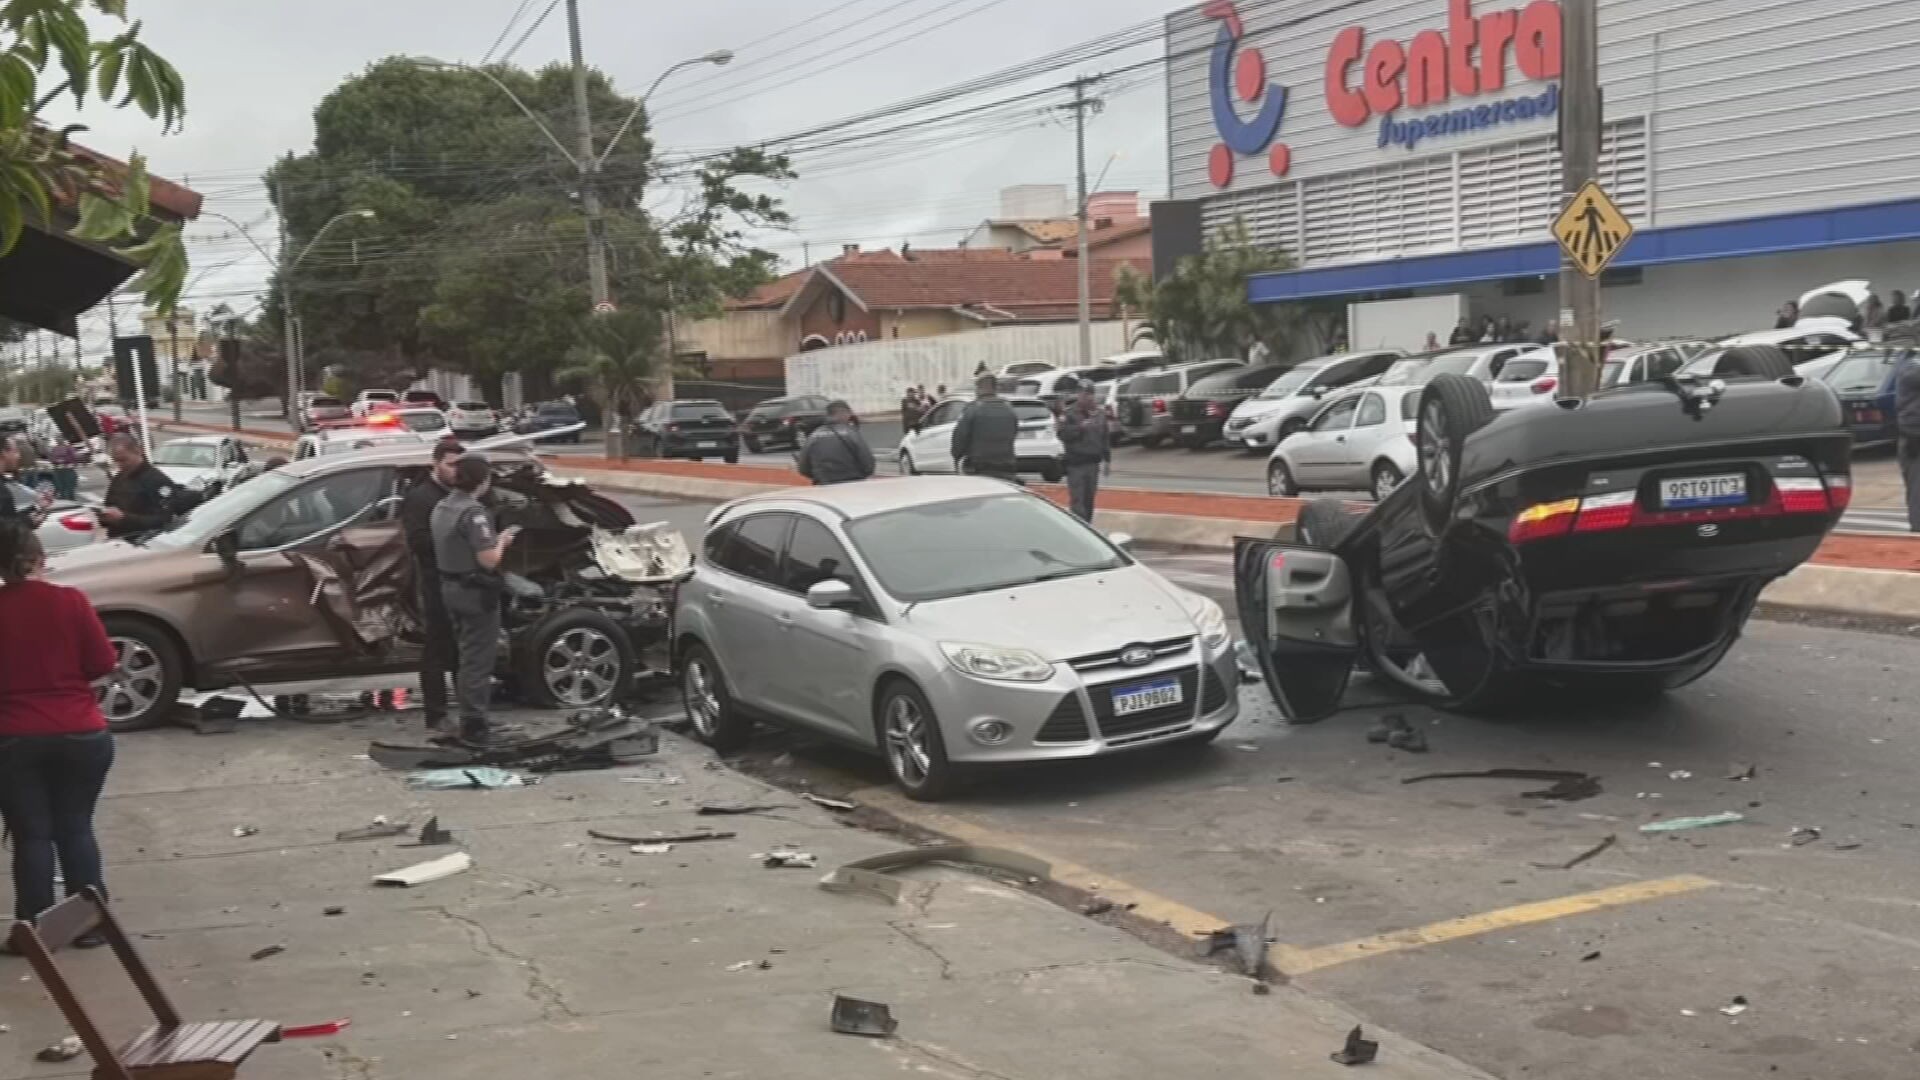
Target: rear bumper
{"x": 1209, "y": 431}
{"x": 713, "y": 446}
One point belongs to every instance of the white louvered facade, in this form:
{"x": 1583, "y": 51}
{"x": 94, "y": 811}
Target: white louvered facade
{"x": 1719, "y": 110}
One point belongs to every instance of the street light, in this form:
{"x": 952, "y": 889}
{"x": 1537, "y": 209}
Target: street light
{"x": 718, "y": 58}
{"x": 432, "y": 64}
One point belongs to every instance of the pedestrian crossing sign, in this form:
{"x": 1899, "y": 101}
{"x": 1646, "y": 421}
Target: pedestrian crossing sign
{"x": 1592, "y": 230}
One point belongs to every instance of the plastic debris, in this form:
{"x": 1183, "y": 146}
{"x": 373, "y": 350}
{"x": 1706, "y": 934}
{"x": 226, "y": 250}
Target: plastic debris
{"x": 431, "y": 835}
{"x": 65, "y": 1050}
{"x": 1594, "y": 955}
{"x": 851, "y": 1016}
{"x": 1572, "y": 789}
{"x": 731, "y": 809}
{"x": 243, "y": 831}
{"x": 1582, "y": 857}
{"x": 1741, "y": 772}
{"x": 1358, "y": 1051}
{"x": 333, "y": 911}
{"x": 842, "y": 805}
{"x": 1099, "y": 905}
{"x": 1413, "y": 742}
{"x": 1389, "y": 725}
{"x": 741, "y": 966}
{"x": 1679, "y": 774}
{"x": 1249, "y": 664}
{"x": 874, "y": 874}
{"x": 787, "y": 859}
{"x": 379, "y": 830}
{"x": 316, "y": 1031}
{"x": 657, "y": 838}
{"x": 1568, "y": 786}
{"x": 271, "y": 950}
{"x": 669, "y": 780}
{"x": 651, "y": 849}
{"x": 478, "y": 776}
{"x": 1247, "y": 943}
{"x": 1735, "y": 1008}
{"x": 1680, "y": 824}
{"x": 1849, "y": 845}
{"x": 1802, "y": 835}
{"x": 421, "y": 873}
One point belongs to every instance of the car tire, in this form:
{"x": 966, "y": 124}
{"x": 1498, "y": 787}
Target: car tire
{"x": 916, "y": 754}
{"x": 146, "y": 683}
{"x": 1386, "y": 477}
{"x": 1280, "y": 482}
{"x": 1759, "y": 361}
{"x": 1051, "y": 474}
{"x": 1452, "y": 407}
{"x": 733, "y": 457}
{"x": 753, "y": 446}
{"x": 907, "y": 467}
{"x": 716, "y": 720}
{"x": 598, "y": 657}
{"x": 1324, "y": 523}
{"x": 1151, "y": 442}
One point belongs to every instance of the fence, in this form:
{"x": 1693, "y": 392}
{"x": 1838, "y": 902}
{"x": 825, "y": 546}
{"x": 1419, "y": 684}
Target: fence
{"x": 872, "y": 376}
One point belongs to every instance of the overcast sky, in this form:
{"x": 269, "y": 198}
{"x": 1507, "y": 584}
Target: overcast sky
{"x": 254, "y": 72}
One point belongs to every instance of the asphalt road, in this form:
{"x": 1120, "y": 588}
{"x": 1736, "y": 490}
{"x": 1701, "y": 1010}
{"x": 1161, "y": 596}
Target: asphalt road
{"x": 1315, "y": 825}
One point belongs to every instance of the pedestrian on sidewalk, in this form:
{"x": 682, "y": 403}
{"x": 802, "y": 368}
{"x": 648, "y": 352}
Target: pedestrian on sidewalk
{"x": 1906, "y": 405}
{"x": 983, "y": 439}
{"x": 912, "y": 408}
{"x": 1083, "y": 434}
{"x": 468, "y": 551}
{"x": 55, "y": 748}
{"x": 440, "y": 657}
{"x": 836, "y": 452}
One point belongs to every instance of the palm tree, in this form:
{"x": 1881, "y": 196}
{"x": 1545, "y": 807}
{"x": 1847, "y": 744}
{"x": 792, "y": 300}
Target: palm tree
{"x": 615, "y": 362}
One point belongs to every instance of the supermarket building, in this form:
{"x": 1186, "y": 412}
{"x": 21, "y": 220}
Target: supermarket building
{"x": 1407, "y": 148}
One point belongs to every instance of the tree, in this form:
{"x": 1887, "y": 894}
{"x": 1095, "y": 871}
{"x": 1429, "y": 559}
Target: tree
{"x": 1201, "y": 312}
{"x": 43, "y": 176}
{"x": 617, "y": 360}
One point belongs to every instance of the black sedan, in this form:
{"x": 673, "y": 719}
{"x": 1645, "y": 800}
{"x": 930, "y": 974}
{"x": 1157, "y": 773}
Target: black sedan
{"x": 1611, "y": 549}
{"x": 783, "y": 422}
{"x": 686, "y": 429}
{"x": 550, "y": 416}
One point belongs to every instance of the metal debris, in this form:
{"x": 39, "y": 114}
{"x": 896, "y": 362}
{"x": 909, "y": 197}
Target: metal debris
{"x": 1681, "y": 824}
{"x": 379, "y": 830}
{"x": 241, "y": 832}
{"x": 1247, "y": 943}
{"x": 477, "y": 777}
{"x": 874, "y": 874}
{"x": 333, "y": 911}
{"x": 1679, "y": 774}
{"x": 788, "y": 859}
{"x": 1741, "y": 772}
{"x": 651, "y": 849}
{"x": 842, "y": 805}
{"x": 1594, "y": 955}
{"x": 1389, "y": 725}
{"x": 431, "y": 835}
{"x": 1358, "y": 1051}
{"x": 730, "y": 809}
{"x": 1802, "y": 835}
{"x": 851, "y": 1016}
{"x": 1849, "y": 845}
{"x": 1738, "y": 1006}
{"x": 1499, "y": 774}
{"x": 65, "y": 1050}
{"x": 588, "y": 739}
{"x": 271, "y": 950}
{"x": 1582, "y": 857}
{"x": 421, "y": 873}
{"x": 1572, "y": 789}
{"x": 657, "y": 838}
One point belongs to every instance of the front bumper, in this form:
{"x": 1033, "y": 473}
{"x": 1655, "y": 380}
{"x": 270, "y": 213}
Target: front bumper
{"x": 1071, "y": 716}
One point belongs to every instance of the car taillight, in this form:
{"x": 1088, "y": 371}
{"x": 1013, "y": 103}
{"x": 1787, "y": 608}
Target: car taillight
{"x": 1621, "y": 510}
{"x": 1802, "y": 495}
{"x": 1541, "y": 386}
{"x": 1215, "y": 408}
{"x": 76, "y": 522}
{"x": 1840, "y": 491}
{"x": 1604, "y": 513}
{"x": 1544, "y": 520}
{"x": 1159, "y": 406}
{"x": 791, "y": 420}
{"x": 673, "y": 427}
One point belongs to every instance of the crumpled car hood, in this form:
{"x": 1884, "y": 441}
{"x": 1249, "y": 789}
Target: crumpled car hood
{"x": 643, "y": 554}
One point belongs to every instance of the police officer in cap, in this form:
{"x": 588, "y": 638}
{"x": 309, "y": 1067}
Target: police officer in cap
{"x": 416, "y": 521}
{"x": 983, "y": 439}
{"x": 468, "y": 551}
{"x": 140, "y": 496}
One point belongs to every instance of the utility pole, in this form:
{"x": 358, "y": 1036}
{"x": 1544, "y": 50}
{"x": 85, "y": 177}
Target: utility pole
{"x": 1082, "y": 104}
{"x": 288, "y": 403}
{"x": 1580, "y": 118}
{"x": 173, "y": 354}
{"x": 589, "y": 169}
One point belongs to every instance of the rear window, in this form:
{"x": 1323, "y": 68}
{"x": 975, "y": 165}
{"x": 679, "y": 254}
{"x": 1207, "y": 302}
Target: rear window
{"x": 1028, "y": 386}
{"x": 422, "y": 395}
{"x": 470, "y": 406}
{"x": 1863, "y": 372}
{"x": 1249, "y": 379}
{"x": 1031, "y": 410}
{"x": 771, "y": 408}
{"x": 1410, "y": 406}
{"x": 559, "y": 410}
{"x": 424, "y": 421}
{"x": 699, "y": 410}
{"x": 326, "y": 403}
{"x": 1522, "y": 370}
{"x": 379, "y": 395}
{"x": 1155, "y": 384}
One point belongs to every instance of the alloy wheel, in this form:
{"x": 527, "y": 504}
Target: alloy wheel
{"x": 703, "y": 700}
{"x": 907, "y": 741}
{"x": 134, "y": 684}
{"x": 1279, "y": 480}
{"x": 1435, "y": 464}
{"x": 582, "y": 667}
{"x": 1385, "y": 479}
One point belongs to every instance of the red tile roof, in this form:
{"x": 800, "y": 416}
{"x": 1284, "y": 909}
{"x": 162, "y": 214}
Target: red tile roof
{"x": 1012, "y": 285}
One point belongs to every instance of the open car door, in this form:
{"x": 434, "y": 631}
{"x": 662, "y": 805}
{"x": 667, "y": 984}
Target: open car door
{"x": 1296, "y": 610}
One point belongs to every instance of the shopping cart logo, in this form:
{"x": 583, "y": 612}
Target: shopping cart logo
{"x": 1236, "y": 72}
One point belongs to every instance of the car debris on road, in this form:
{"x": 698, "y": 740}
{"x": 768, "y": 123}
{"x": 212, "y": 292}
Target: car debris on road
{"x": 1359, "y": 1050}
{"x": 852, "y": 1016}
{"x": 874, "y": 874}
{"x": 787, "y": 859}
{"x": 1682, "y": 824}
{"x": 1246, "y": 943}
{"x": 677, "y": 838}
{"x": 423, "y": 873}
{"x": 1590, "y": 853}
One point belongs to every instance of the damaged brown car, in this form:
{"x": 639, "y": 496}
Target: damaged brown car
{"x": 302, "y": 574}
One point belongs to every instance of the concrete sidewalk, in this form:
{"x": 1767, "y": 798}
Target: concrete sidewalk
{"x": 561, "y": 955}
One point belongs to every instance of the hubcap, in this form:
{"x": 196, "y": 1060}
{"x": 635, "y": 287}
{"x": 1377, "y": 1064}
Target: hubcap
{"x": 1277, "y": 480}
{"x": 907, "y": 741}
{"x": 582, "y": 667}
{"x": 703, "y": 701}
{"x": 1384, "y": 482}
{"x": 134, "y": 684}
{"x": 1433, "y": 448}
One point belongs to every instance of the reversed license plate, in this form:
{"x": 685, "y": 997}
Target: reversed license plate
{"x": 709, "y": 446}
{"x": 1188, "y": 430}
{"x": 1695, "y": 491}
{"x": 1142, "y": 697}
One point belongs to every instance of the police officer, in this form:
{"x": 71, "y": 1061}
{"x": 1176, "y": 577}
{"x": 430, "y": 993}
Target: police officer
{"x": 1084, "y": 437}
{"x": 983, "y": 439}
{"x": 416, "y": 521}
{"x": 836, "y": 453}
{"x": 139, "y": 497}
{"x": 1906, "y": 397}
{"x": 469, "y": 551}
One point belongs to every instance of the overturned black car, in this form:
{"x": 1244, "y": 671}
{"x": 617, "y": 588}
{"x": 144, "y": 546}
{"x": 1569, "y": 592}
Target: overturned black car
{"x": 1609, "y": 548}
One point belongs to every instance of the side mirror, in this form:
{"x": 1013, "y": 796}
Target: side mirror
{"x": 832, "y": 593}
{"x": 1316, "y": 392}
{"x": 227, "y": 546}
{"x": 1120, "y": 540}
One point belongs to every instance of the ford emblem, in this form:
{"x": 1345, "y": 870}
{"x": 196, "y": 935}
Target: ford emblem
{"x": 1136, "y": 655}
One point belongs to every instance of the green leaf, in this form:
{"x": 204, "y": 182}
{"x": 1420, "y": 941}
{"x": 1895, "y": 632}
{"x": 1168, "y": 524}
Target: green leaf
{"x": 165, "y": 276}
{"x": 109, "y": 71}
{"x": 146, "y": 93}
{"x": 33, "y": 41}
{"x": 115, "y": 8}
{"x": 135, "y": 193}
{"x": 11, "y": 224}
{"x": 33, "y": 188}
{"x": 102, "y": 220}
{"x": 76, "y": 53}
{"x": 16, "y": 90}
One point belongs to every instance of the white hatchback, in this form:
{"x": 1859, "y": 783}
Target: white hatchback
{"x": 929, "y": 448}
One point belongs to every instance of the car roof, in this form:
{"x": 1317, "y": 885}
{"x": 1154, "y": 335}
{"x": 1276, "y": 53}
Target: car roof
{"x": 399, "y": 453}
{"x": 1774, "y": 337}
{"x": 199, "y": 440}
{"x": 851, "y": 502}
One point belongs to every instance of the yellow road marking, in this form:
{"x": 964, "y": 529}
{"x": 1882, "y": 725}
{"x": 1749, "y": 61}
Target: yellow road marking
{"x": 1291, "y": 959}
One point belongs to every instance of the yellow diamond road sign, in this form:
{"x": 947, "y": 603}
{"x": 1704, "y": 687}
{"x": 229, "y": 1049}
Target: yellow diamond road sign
{"x": 1592, "y": 230}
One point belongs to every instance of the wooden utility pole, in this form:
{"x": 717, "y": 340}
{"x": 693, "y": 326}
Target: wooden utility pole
{"x": 1580, "y": 119}
{"x": 1082, "y": 106}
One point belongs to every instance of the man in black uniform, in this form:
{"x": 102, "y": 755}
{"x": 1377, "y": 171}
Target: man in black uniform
{"x": 983, "y": 439}
{"x": 469, "y": 551}
{"x": 416, "y": 520}
{"x": 139, "y": 497}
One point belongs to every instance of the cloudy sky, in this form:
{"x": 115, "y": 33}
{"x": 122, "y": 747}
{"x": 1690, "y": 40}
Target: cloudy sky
{"x": 254, "y": 72}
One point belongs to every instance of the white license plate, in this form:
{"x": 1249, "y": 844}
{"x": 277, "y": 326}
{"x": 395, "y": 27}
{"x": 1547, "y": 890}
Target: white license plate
{"x": 1188, "y": 430}
{"x": 1033, "y": 436}
{"x": 1697, "y": 491}
{"x": 709, "y": 446}
{"x": 1142, "y": 697}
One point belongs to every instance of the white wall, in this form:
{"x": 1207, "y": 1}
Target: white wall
{"x": 871, "y": 377}
{"x": 1402, "y": 324}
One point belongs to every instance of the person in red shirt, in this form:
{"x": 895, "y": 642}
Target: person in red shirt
{"x": 55, "y": 748}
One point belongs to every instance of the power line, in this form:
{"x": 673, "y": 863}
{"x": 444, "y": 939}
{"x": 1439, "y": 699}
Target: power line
{"x": 508, "y": 55}
{"x": 507, "y": 29}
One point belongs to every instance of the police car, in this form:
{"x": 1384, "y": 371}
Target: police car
{"x": 350, "y": 435}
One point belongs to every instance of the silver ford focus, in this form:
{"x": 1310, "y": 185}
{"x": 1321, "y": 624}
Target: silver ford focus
{"x": 944, "y": 622}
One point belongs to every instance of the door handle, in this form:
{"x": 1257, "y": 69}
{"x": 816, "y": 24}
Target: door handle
{"x": 716, "y": 599}
{"x": 785, "y": 621}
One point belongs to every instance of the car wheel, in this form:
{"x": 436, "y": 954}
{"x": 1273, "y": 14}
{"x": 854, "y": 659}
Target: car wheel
{"x": 906, "y": 464}
{"x": 1324, "y": 523}
{"x": 1385, "y": 478}
{"x": 733, "y": 457}
{"x": 1280, "y": 483}
{"x": 753, "y": 446}
{"x": 909, "y": 736}
{"x": 710, "y": 708}
{"x": 1051, "y": 474}
{"x": 1452, "y": 407}
{"x": 1151, "y": 442}
{"x": 575, "y": 659}
{"x": 146, "y": 677}
{"x": 1759, "y": 361}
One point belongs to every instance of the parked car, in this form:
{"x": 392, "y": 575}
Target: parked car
{"x": 1285, "y": 405}
{"x": 1054, "y": 387}
{"x": 370, "y": 402}
{"x": 1025, "y": 367}
{"x": 1200, "y": 414}
{"x": 685, "y": 429}
{"x": 318, "y": 409}
{"x": 943, "y": 623}
{"x": 554, "y": 421}
{"x": 1528, "y": 379}
{"x": 782, "y": 422}
{"x": 344, "y": 438}
{"x": 424, "y": 399}
{"x": 1863, "y": 380}
{"x": 929, "y": 449}
{"x": 1614, "y": 550}
{"x": 302, "y": 574}
{"x": 1145, "y": 402}
{"x": 1481, "y": 362}
{"x": 201, "y": 461}
{"x": 1360, "y": 440}
{"x": 427, "y": 421}
{"x": 470, "y": 419}
{"x": 70, "y": 524}
{"x": 1648, "y": 363}
{"x": 1814, "y": 348}
{"x": 14, "y": 421}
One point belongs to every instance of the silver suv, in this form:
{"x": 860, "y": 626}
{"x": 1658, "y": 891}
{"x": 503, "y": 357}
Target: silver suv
{"x": 943, "y": 621}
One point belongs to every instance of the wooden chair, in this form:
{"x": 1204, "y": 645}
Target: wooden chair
{"x": 170, "y": 1049}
